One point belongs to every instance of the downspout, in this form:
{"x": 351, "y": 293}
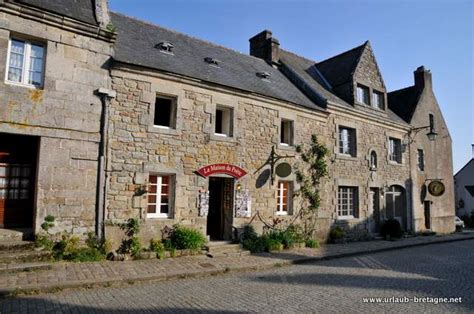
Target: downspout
{"x": 104, "y": 95}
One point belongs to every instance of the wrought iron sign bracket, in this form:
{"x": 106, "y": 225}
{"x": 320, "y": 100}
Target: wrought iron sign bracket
{"x": 272, "y": 160}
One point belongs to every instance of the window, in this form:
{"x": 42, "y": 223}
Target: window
{"x": 363, "y": 94}
{"x": 373, "y": 160}
{"x": 421, "y": 160}
{"x": 432, "y": 122}
{"x": 347, "y": 202}
{"x": 395, "y": 150}
{"x": 160, "y": 189}
{"x": 378, "y": 100}
{"x": 347, "y": 141}
{"x": 286, "y": 133}
{"x": 25, "y": 63}
{"x": 165, "y": 112}
{"x": 224, "y": 119}
{"x": 284, "y": 197}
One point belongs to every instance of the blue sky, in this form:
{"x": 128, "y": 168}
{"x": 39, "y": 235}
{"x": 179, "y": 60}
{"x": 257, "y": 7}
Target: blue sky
{"x": 403, "y": 34}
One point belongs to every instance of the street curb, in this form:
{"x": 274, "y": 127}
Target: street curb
{"x": 120, "y": 282}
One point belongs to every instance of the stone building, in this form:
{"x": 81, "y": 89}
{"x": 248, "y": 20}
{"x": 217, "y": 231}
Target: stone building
{"x": 187, "y": 137}
{"x": 464, "y": 183}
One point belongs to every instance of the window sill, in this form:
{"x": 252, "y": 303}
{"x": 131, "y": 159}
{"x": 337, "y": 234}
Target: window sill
{"x": 163, "y": 130}
{"x": 286, "y": 146}
{"x": 222, "y": 138}
{"x": 16, "y": 84}
{"x": 158, "y": 216}
{"x": 347, "y": 219}
{"x": 282, "y": 214}
{"x": 394, "y": 163}
{"x": 345, "y": 156}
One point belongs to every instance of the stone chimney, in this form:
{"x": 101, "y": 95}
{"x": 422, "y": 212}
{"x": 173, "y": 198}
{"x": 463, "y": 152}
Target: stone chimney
{"x": 265, "y": 47}
{"x": 422, "y": 78}
{"x": 102, "y": 12}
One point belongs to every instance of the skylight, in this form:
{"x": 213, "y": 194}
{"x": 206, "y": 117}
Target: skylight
{"x": 263, "y": 75}
{"x": 165, "y": 46}
{"x": 211, "y": 61}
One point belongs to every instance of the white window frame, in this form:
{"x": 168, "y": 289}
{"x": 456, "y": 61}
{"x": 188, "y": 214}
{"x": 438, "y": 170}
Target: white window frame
{"x": 173, "y": 112}
{"x": 158, "y": 194}
{"x": 347, "y": 141}
{"x": 280, "y": 199}
{"x": 360, "y": 94}
{"x": 378, "y": 100}
{"x": 352, "y": 199}
{"x": 230, "y": 118}
{"x": 26, "y": 63}
{"x": 395, "y": 155}
{"x": 290, "y": 135}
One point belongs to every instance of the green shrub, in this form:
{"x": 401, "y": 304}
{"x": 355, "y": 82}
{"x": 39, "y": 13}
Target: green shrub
{"x": 249, "y": 233}
{"x": 336, "y": 233}
{"x": 158, "y": 248}
{"x": 44, "y": 241}
{"x": 391, "y": 228}
{"x": 272, "y": 244}
{"x": 100, "y": 244}
{"x": 311, "y": 243}
{"x": 130, "y": 246}
{"x": 48, "y": 223}
{"x": 183, "y": 238}
{"x": 131, "y": 227}
{"x": 256, "y": 245}
{"x": 84, "y": 254}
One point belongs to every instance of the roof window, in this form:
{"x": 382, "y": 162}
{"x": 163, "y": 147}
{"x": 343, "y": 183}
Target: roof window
{"x": 165, "y": 46}
{"x": 263, "y": 75}
{"x": 211, "y": 61}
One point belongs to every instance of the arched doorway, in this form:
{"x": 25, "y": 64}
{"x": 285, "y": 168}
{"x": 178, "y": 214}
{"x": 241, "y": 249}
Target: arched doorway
{"x": 395, "y": 204}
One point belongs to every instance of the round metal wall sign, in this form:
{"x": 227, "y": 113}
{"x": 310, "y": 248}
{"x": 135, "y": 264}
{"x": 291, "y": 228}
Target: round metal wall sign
{"x": 436, "y": 188}
{"x": 283, "y": 169}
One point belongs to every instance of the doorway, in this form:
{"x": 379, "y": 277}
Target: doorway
{"x": 219, "y": 219}
{"x": 427, "y": 215}
{"x": 375, "y": 209}
{"x": 18, "y": 155}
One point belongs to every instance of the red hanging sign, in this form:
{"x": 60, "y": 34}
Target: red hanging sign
{"x": 228, "y": 169}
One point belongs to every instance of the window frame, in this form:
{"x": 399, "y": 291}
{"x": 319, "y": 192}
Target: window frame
{"x": 26, "y": 63}
{"x": 351, "y": 139}
{"x": 173, "y": 112}
{"x": 158, "y": 204}
{"x": 380, "y": 100}
{"x": 230, "y": 111}
{"x": 398, "y": 152}
{"x": 280, "y": 197}
{"x": 291, "y": 132}
{"x": 351, "y": 212}
{"x": 364, "y": 88}
{"x": 373, "y": 160}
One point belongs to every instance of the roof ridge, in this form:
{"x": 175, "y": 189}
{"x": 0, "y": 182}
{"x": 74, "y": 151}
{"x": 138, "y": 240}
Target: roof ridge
{"x": 343, "y": 53}
{"x": 186, "y": 35}
{"x": 401, "y": 89}
{"x": 299, "y": 56}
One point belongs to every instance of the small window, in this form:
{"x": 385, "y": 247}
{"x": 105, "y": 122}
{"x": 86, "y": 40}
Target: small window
{"x": 224, "y": 119}
{"x": 165, "y": 112}
{"x": 286, "y": 133}
{"x": 378, "y": 100}
{"x": 160, "y": 189}
{"x": 25, "y": 63}
{"x": 165, "y": 46}
{"x": 347, "y": 202}
{"x": 284, "y": 197}
{"x": 363, "y": 94}
{"x": 347, "y": 141}
{"x": 373, "y": 160}
{"x": 432, "y": 122}
{"x": 421, "y": 160}
{"x": 395, "y": 150}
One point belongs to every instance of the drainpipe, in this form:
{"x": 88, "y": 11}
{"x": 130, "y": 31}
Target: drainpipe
{"x": 104, "y": 95}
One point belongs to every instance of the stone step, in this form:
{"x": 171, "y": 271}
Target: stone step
{"x": 229, "y": 254}
{"x": 24, "y": 256}
{"x": 15, "y": 246}
{"x": 24, "y": 267}
{"x": 15, "y": 234}
{"x": 224, "y": 248}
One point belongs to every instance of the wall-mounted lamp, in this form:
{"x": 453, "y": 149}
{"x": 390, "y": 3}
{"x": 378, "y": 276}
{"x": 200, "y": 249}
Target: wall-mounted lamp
{"x": 432, "y": 134}
{"x": 238, "y": 187}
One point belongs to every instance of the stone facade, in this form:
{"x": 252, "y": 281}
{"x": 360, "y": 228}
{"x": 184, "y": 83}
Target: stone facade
{"x": 64, "y": 114}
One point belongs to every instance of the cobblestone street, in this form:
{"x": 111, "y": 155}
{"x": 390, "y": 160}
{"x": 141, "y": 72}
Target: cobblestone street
{"x": 439, "y": 270}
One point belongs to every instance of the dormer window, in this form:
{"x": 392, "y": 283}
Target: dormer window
{"x": 363, "y": 95}
{"x": 211, "y": 61}
{"x": 263, "y": 75}
{"x": 165, "y": 46}
{"x": 378, "y": 100}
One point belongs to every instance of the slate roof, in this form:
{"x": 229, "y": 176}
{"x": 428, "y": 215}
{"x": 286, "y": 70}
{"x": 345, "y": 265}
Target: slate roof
{"x": 339, "y": 69}
{"x": 404, "y": 101}
{"x": 465, "y": 166}
{"x": 308, "y": 70}
{"x": 470, "y": 189}
{"x": 136, "y": 41}
{"x": 81, "y": 10}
